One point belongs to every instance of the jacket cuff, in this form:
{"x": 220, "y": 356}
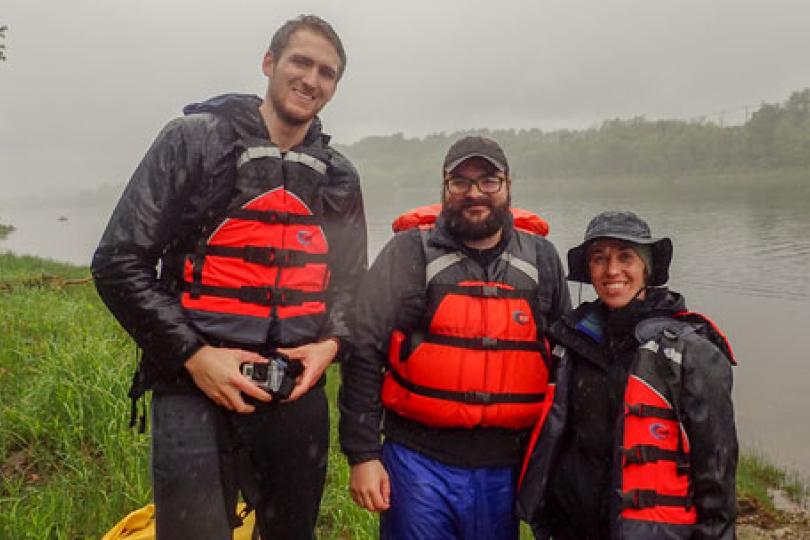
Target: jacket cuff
{"x": 357, "y": 459}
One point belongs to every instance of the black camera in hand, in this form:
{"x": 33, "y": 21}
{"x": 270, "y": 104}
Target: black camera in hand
{"x": 277, "y": 377}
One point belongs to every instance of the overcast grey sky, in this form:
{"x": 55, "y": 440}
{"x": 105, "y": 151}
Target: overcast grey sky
{"x": 88, "y": 83}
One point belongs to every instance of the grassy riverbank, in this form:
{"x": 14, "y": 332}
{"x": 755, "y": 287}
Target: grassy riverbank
{"x": 70, "y": 467}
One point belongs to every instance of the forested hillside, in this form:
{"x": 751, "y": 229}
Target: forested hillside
{"x": 777, "y": 136}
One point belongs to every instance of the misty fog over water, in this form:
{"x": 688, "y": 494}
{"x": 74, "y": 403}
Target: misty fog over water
{"x": 742, "y": 257}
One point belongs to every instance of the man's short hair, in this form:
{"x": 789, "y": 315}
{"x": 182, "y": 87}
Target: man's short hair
{"x": 313, "y": 23}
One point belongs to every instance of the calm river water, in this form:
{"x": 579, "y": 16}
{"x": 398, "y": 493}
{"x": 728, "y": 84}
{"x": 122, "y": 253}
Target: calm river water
{"x": 741, "y": 256}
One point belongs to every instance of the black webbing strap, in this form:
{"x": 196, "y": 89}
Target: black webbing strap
{"x": 274, "y": 217}
{"x": 267, "y": 256}
{"x": 196, "y": 276}
{"x": 649, "y": 411}
{"x": 646, "y": 453}
{"x": 474, "y": 398}
{"x": 639, "y": 499}
{"x": 136, "y": 392}
{"x": 485, "y": 291}
{"x": 484, "y": 343}
{"x": 263, "y": 296}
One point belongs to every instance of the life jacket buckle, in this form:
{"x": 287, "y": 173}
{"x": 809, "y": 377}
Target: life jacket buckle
{"x": 636, "y": 409}
{"x": 489, "y": 342}
{"x": 478, "y": 398}
{"x": 275, "y": 217}
{"x": 267, "y": 256}
{"x": 634, "y": 455}
{"x": 639, "y": 499}
{"x": 489, "y": 290}
{"x": 262, "y": 296}
{"x": 682, "y": 467}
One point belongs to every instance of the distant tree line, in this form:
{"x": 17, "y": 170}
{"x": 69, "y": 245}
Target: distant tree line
{"x": 777, "y": 136}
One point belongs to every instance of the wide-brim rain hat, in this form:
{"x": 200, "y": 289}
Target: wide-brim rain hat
{"x": 627, "y": 226}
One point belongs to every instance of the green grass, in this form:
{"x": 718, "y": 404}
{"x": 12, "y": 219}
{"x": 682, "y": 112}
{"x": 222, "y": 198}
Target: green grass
{"x": 71, "y": 467}
{"x": 755, "y": 475}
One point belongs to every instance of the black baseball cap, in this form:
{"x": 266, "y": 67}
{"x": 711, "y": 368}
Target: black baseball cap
{"x": 474, "y": 146}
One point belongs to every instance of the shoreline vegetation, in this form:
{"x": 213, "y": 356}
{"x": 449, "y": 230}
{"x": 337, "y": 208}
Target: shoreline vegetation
{"x": 5, "y": 230}
{"x": 71, "y": 467}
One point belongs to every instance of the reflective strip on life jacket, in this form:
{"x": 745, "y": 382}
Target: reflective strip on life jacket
{"x": 258, "y": 152}
{"x": 261, "y": 152}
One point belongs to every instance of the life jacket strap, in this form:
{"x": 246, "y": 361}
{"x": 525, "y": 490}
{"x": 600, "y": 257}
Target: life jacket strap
{"x": 274, "y": 217}
{"x": 485, "y": 343}
{"x": 264, "y": 296}
{"x": 267, "y": 256}
{"x": 470, "y": 397}
{"x": 646, "y": 453}
{"x": 650, "y": 411}
{"x": 638, "y": 499}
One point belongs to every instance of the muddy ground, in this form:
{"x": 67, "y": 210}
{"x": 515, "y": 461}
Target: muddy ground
{"x": 788, "y": 521}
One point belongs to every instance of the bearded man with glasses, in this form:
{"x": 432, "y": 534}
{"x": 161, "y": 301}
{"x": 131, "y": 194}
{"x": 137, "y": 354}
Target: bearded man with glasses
{"x": 450, "y": 358}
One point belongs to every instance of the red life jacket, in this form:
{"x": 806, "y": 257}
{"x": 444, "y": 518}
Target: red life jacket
{"x": 260, "y": 275}
{"x": 655, "y": 481}
{"x": 479, "y": 359}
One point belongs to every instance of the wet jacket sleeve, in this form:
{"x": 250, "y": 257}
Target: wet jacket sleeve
{"x": 709, "y": 423}
{"x": 387, "y": 291}
{"x": 550, "y": 269}
{"x": 346, "y": 225}
{"x": 140, "y": 230}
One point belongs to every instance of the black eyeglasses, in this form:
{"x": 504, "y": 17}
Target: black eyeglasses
{"x": 458, "y": 185}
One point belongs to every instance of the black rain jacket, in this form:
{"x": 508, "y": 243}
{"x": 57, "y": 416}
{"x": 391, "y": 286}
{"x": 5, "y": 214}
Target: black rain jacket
{"x": 183, "y": 183}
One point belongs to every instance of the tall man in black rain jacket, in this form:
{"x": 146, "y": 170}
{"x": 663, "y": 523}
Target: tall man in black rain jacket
{"x": 240, "y": 235}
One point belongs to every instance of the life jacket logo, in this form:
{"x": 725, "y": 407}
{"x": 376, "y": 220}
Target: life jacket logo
{"x": 659, "y": 431}
{"x": 520, "y": 317}
{"x": 304, "y": 237}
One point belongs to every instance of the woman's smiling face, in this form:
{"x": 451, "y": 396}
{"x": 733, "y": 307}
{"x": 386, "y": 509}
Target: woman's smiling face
{"x": 617, "y": 272}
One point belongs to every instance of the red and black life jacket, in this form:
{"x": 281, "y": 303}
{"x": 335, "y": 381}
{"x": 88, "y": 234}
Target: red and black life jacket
{"x": 654, "y": 480}
{"x": 480, "y": 358}
{"x": 260, "y": 274}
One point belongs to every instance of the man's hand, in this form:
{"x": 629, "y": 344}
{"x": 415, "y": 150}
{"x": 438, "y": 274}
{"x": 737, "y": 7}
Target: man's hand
{"x": 315, "y": 357}
{"x": 370, "y": 486}
{"x": 216, "y": 372}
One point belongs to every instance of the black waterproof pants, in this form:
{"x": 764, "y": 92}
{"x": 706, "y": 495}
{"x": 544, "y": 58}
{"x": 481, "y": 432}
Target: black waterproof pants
{"x": 201, "y": 453}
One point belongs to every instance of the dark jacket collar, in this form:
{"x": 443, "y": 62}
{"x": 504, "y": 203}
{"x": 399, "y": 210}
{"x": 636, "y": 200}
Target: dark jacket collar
{"x": 590, "y": 326}
{"x": 243, "y": 110}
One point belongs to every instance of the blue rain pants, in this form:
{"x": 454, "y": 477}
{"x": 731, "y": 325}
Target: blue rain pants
{"x": 434, "y": 501}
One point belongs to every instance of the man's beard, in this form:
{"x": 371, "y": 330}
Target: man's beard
{"x": 462, "y": 228}
{"x": 277, "y": 102}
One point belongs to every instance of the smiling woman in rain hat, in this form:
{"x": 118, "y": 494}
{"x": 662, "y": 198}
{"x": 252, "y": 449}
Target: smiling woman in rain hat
{"x": 640, "y": 442}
